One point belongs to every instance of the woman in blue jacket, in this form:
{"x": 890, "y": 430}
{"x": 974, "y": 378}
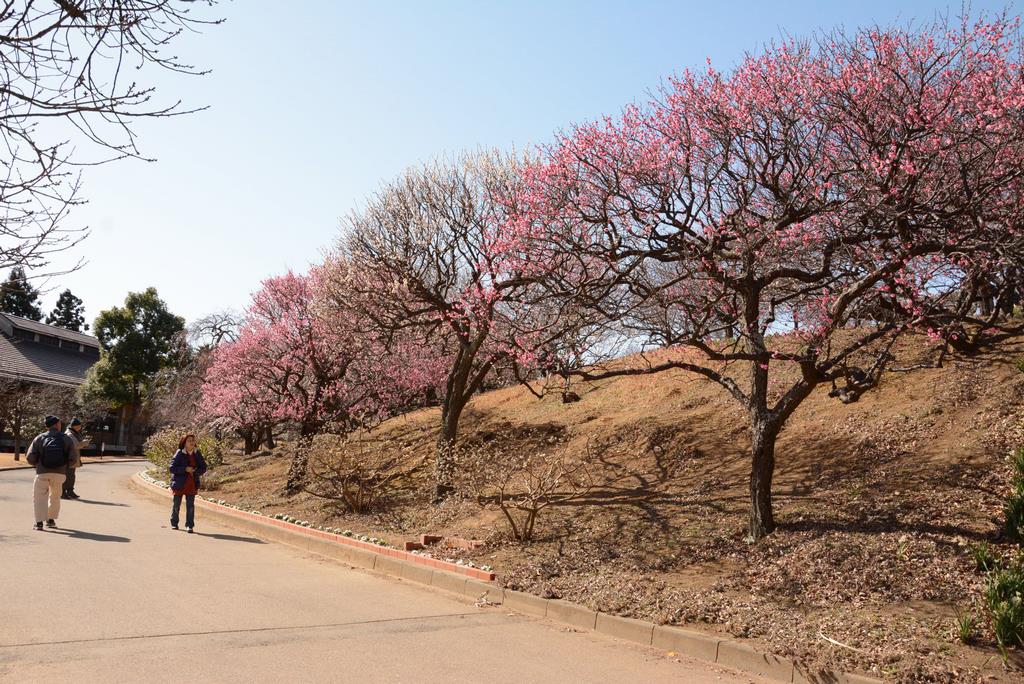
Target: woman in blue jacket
{"x": 187, "y": 467}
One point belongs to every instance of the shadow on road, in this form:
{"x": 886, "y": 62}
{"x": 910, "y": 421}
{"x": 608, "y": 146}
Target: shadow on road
{"x": 94, "y": 536}
{"x": 231, "y": 537}
{"x": 100, "y": 503}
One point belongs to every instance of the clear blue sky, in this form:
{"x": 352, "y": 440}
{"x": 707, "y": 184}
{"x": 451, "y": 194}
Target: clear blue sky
{"x": 313, "y": 106}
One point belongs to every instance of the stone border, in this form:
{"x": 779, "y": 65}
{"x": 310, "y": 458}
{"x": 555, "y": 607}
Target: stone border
{"x": 466, "y": 582}
{"x": 320, "y": 541}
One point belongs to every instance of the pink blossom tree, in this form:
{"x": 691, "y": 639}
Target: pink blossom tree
{"x": 782, "y": 225}
{"x": 232, "y": 396}
{"x": 290, "y": 365}
{"x": 433, "y": 257}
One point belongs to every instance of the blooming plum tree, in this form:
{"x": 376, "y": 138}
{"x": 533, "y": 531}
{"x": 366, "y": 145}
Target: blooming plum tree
{"x": 434, "y": 258}
{"x": 801, "y": 212}
{"x": 289, "y": 365}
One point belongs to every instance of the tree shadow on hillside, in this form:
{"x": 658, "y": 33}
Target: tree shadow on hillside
{"x": 888, "y": 525}
{"x": 653, "y": 493}
{"x": 834, "y": 465}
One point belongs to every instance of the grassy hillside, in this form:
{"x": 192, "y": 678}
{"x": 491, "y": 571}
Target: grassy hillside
{"x": 878, "y": 504}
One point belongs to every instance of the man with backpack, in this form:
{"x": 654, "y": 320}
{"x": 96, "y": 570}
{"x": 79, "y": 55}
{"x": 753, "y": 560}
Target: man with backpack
{"x": 50, "y": 453}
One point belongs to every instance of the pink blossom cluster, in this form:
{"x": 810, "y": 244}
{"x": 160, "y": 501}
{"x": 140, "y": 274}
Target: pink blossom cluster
{"x": 292, "y": 365}
{"x": 814, "y": 187}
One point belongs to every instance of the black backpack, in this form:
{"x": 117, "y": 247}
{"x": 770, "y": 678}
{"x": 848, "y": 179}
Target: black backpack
{"x": 53, "y": 451}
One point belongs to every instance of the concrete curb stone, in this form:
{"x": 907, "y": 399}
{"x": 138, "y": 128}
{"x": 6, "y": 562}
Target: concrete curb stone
{"x": 492, "y": 592}
{"x": 322, "y": 547}
{"x": 826, "y": 677}
{"x": 525, "y": 603}
{"x": 743, "y": 657}
{"x": 361, "y": 558}
{"x": 417, "y": 573}
{"x": 637, "y": 631}
{"x": 693, "y": 644}
{"x": 328, "y": 544}
{"x": 391, "y": 566}
{"x": 447, "y": 581}
{"x": 572, "y": 614}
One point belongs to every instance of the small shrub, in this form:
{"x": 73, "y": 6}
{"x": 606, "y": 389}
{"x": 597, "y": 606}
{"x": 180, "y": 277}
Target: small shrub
{"x": 1015, "y": 515}
{"x": 523, "y": 484}
{"x": 344, "y": 470}
{"x": 1015, "y": 503}
{"x": 1017, "y": 461}
{"x": 161, "y": 446}
{"x": 1020, "y": 364}
{"x": 984, "y": 559}
{"x": 966, "y": 625}
{"x": 1004, "y": 599}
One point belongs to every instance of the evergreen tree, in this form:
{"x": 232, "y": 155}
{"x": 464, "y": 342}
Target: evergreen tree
{"x": 68, "y": 313}
{"x": 137, "y": 340}
{"x": 18, "y": 297}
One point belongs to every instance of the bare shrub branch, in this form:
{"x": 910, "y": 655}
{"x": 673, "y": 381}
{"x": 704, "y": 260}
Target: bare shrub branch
{"x": 523, "y": 483}
{"x": 346, "y": 471}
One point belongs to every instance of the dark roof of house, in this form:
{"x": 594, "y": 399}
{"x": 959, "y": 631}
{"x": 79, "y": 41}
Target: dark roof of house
{"x": 51, "y": 330}
{"x": 37, "y": 362}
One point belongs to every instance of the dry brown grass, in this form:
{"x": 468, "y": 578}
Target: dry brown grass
{"x": 877, "y": 503}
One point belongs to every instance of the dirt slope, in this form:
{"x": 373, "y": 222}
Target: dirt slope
{"x": 877, "y": 501}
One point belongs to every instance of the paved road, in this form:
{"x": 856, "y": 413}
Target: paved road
{"x": 114, "y": 595}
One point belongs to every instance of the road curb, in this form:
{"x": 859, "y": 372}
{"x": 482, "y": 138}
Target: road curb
{"x": 572, "y": 614}
{"x": 86, "y": 463}
{"x": 346, "y": 549}
{"x": 434, "y": 573}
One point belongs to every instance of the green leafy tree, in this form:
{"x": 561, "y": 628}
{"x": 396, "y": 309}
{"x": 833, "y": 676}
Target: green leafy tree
{"x": 18, "y": 297}
{"x": 69, "y": 313}
{"x": 138, "y": 341}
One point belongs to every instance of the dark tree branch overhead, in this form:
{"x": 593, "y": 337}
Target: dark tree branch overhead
{"x": 64, "y": 67}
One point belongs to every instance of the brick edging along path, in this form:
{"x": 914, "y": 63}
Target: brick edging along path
{"x": 468, "y": 582}
{"x": 284, "y": 531}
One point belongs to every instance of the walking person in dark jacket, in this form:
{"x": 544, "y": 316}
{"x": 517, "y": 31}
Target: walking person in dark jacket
{"x": 50, "y": 453}
{"x": 74, "y": 436}
{"x": 187, "y": 467}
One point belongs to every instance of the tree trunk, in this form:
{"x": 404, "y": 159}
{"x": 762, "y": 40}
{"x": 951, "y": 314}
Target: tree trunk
{"x": 763, "y": 434}
{"x": 1009, "y": 296}
{"x": 764, "y": 425}
{"x": 120, "y": 425}
{"x": 463, "y": 382}
{"x": 250, "y": 442}
{"x": 269, "y": 437}
{"x": 130, "y": 429}
{"x": 445, "y": 467}
{"x": 298, "y": 469}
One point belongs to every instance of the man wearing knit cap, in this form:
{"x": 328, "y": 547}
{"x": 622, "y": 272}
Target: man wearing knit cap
{"x": 73, "y": 435}
{"x": 50, "y": 453}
